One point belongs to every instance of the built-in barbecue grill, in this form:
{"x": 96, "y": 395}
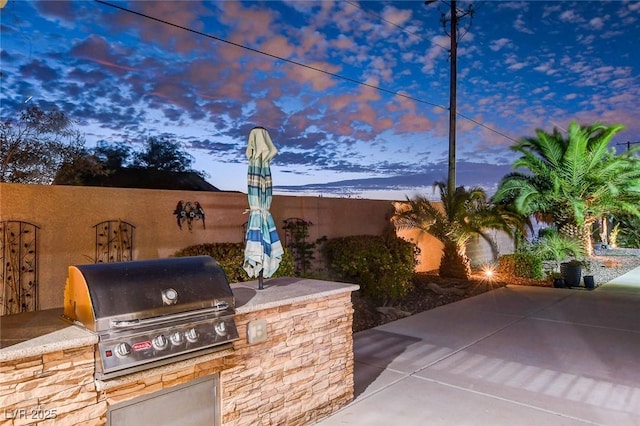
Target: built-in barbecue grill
{"x": 151, "y": 312}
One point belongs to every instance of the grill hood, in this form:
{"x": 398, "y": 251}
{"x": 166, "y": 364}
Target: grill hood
{"x": 100, "y": 296}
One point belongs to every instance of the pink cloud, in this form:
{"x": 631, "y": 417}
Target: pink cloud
{"x": 318, "y": 81}
{"x": 412, "y": 122}
{"x": 300, "y": 121}
{"x": 249, "y": 24}
{"x": 397, "y": 16}
{"x": 96, "y": 49}
{"x": 174, "y": 38}
{"x": 279, "y": 46}
{"x": 267, "y": 114}
{"x": 365, "y": 94}
{"x": 343, "y": 43}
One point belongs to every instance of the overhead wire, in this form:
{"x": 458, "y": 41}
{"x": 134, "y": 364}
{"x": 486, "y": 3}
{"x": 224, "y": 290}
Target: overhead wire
{"x": 291, "y": 61}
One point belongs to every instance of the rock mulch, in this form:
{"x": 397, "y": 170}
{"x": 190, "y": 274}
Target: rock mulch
{"x": 430, "y": 291}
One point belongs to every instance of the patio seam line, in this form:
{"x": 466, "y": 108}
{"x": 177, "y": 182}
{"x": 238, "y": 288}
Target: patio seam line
{"x": 507, "y": 400}
{"x": 586, "y": 325}
{"x": 518, "y": 319}
{"x": 363, "y": 397}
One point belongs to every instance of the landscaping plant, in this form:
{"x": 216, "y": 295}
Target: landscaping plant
{"x": 382, "y": 266}
{"x": 573, "y": 181}
{"x": 230, "y": 256}
{"x": 464, "y": 215}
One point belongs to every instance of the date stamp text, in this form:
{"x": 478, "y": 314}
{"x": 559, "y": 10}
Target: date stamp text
{"x": 31, "y": 413}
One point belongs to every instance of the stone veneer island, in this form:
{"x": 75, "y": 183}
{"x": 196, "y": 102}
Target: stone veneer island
{"x": 301, "y": 373}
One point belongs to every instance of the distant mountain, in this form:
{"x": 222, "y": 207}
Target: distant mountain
{"x": 132, "y": 177}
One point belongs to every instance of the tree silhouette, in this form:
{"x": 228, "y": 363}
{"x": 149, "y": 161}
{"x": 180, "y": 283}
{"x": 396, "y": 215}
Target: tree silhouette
{"x": 34, "y": 145}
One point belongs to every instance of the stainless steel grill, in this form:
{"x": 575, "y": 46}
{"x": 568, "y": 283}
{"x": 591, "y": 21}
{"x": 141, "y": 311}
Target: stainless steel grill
{"x": 151, "y": 312}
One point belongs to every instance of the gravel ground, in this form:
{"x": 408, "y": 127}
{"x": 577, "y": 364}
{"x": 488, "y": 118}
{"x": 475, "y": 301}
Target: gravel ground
{"x": 607, "y": 265}
{"x": 430, "y": 291}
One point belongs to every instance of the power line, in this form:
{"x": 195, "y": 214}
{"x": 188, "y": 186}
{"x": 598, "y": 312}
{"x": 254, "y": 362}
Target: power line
{"x": 352, "y": 80}
{"x": 628, "y": 144}
{"x": 486, "y": 127}
{"x": 251, "y": 49}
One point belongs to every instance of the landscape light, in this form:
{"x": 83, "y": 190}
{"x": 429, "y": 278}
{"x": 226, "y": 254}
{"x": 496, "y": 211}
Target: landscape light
{"x": 488, "y": 271}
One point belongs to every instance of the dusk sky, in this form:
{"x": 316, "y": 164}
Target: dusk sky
{"x": 522, "y": 65}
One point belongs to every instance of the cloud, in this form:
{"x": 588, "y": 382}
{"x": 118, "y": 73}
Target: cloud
{"x": 96, "y": 49}
{"x": 40, "y": 71}
{"x": 397, "y": 16}
{"x": 157, "y": 33}
{"x": 547, "y": 67}
{"x": 498, "y": 44}
{"x": 248, "y": 24}
{"x": 597, "y": 23}
{"x": 520, "y": 25}
{"x": 468, "y": 174}
{"x": 571, "y": 16}
{"x": 439, "y": 47}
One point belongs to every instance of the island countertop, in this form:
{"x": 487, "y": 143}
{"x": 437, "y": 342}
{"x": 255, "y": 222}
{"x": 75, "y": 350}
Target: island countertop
{"x": 36, "y": 333}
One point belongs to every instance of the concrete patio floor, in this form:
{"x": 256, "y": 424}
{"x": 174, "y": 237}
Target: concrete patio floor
{"x": 512, "y": 356}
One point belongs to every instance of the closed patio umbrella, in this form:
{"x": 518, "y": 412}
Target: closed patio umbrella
{"x": 263, "y": 251}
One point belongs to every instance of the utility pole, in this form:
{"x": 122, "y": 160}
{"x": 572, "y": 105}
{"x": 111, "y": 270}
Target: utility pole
{"x": 456, "y": 15}
{"x": 453, "y": 91}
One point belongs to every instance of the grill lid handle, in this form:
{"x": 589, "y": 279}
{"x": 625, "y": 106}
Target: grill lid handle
{"x": 124, "y": 323}
{"x": 219, "y": 306}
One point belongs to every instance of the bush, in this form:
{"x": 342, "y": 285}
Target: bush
{"x": 382, "y": 266}
{"x": 525, "y": 265}
{"x": 230, "y": 256}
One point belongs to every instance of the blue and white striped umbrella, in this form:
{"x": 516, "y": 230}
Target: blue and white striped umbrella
{"x": 263, "y": 251}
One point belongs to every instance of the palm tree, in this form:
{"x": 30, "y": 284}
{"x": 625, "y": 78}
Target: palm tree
{"x": 465, "y": 214}
{"x": 573, "y": 181}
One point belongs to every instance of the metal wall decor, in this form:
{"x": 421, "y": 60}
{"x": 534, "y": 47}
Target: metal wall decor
{"x": 296, "y": 232}
{"x": 19, "y": 269}
{"x": 114, "y": 241}
{"x": 189, "y": 212}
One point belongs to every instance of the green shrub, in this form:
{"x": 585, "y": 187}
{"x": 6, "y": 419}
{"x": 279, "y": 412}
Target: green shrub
{"x": 382, "y": 266}
{"x": 526, "y": 265}
{"x": 230, "y": 256}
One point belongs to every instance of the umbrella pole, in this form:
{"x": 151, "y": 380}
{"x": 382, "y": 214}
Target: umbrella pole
{"x": 260, "y": 281}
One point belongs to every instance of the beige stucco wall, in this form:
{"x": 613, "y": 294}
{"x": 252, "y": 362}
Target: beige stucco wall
{"x": 66, "y": 216}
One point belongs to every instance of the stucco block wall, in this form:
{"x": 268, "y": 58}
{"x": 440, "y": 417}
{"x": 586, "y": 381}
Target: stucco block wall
{"x": 66, "y": 216}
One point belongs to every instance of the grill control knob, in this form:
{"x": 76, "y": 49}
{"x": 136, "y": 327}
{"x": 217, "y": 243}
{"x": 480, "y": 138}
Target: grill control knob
{"x": 192, "y": 335}
{"x": 221, "y": 329}
{"x": 177, "y": 338}
{"x": 160, "y": 342}
{"x": 123, "y": 350}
